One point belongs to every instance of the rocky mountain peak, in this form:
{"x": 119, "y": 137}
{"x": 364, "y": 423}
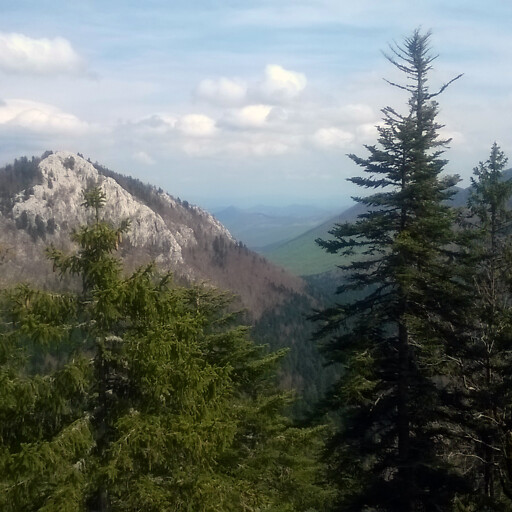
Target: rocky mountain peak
{"x": 45, "y": 204}
{"x": 57, "y": 200}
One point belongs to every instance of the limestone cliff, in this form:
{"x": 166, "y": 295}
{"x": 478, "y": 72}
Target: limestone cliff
{"x": 47, "y": 204}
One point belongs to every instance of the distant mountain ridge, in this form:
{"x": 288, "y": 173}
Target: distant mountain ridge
{"x": 302, "y": 256}
{"x": 261, "y": 226}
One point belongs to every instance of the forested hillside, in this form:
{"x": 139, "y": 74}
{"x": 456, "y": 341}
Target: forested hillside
{"x": 135, "y": 393}
{"x": 40, "y": 202}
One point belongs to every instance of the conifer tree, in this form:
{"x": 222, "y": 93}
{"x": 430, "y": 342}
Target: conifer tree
{"x": 44, "y": 435}
{"x": 159, "y": 400}
{"x": 480, "y": 355}
{"x": 385, "y": 455}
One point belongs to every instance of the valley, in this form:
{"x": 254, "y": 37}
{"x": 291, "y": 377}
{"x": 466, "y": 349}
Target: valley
{"x": 41, "y": 203}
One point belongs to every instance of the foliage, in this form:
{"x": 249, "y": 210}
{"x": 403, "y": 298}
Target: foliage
{"x": 303, "y": 368}
{"x": 385, "y": 456}
{"x": 479, "y": 351}
{"x": 14, "y": 178}
{"x": 144, "y": 395}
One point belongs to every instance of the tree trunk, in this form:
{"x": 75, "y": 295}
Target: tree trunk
{"x": 403, "y": 427}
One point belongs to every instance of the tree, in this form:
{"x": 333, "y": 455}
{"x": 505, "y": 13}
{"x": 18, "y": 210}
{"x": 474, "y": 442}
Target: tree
{"x": 480, "y": 352}
{"x": 155, "y": 398}
{"x": 385, "y": 455}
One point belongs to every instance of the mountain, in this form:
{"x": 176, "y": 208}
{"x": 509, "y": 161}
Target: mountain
{"x": 302, "y": 256}
{"x": 262, "y": 225}
{"x": 40, "y": 203}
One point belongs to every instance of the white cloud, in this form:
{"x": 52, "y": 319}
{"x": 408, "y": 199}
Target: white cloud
{"x": 281, "y": 83}
{"x": 277, "y": 85}
{"x": 252, "y": 116}
{"x": 456, "y": 138}
{"x": 241, "y": 147}
{"x": 269, "y": 148}
{"x": 259, "y": 145}
{"x": 367, "y": 132}
{"x": 156, "y": 124}
{"x": 143, "y": 158}
{"x": 196, "y": 125}
{"x": 357, "y": 113}
{"x": 40, "y": 117}
{"x": 158, "y": 127}
{"x": 332, "y": 137}
{"x": 223, "y": 91}
{"x": 22, "y": 54}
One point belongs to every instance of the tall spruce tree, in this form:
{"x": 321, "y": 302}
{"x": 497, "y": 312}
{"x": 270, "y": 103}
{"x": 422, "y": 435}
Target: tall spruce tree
{"x": 479, "y": 354}
{"x": 159, "y": 401}
{"x": 384, "y": 457}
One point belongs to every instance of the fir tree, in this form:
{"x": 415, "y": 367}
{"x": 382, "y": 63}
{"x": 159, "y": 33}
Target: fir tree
{"x": 159, "y": 401}
{"x": 385, "y": 456}
{"x": 44, "y": 436}
{"x": 480, "y": 354}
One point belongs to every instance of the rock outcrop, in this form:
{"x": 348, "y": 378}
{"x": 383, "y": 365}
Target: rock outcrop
{"x": 176, "y": 235}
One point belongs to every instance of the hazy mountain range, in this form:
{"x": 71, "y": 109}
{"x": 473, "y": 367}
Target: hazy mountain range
{"x": 296, "y": 249}
{"x": 262, "y": 226}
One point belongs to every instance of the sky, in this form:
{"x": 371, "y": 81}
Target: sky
{"x": 227, "y": 102}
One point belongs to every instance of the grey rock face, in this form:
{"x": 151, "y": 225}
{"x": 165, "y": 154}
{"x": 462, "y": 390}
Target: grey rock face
{"x": 66, "y": 175}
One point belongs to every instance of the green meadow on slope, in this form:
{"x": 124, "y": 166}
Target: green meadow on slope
{"x": 302, "y": 256}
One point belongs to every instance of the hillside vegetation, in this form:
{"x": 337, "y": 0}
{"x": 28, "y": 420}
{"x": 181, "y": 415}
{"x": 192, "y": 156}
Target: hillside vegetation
{"x": 133, "y": 393}
{"x": 301, "y": 255}
{"x": 40, "y": 202}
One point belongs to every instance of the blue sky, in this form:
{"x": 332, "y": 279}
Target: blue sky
{"x": 242, "y": 102}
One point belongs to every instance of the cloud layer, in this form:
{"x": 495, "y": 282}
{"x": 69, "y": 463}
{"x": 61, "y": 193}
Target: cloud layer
{"x": 224, "y": 91}
{"x": 40, "y": 118}
{"x": 265, "y": 95}
{"x": 236, "y": 124}
{"x": 23, "y": 54}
